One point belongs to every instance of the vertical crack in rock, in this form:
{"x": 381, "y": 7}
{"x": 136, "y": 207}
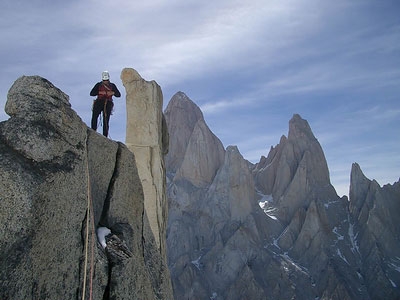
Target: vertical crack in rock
{"x": 81, "y": 261}
{"x": 143, "y": 234}
{"x": 106, "y": 207}
{"x": 106, "y": 295}
{"x": 104, "y": 221}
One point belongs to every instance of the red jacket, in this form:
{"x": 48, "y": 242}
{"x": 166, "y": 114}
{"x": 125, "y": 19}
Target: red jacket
{"x": 103, "y": 90}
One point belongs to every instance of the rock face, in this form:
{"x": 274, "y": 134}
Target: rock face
{"x": 209, "y": 206}
{"x": 196, "y": 153}
{"x": 295, "y": 171}
{"x": 374, "y": 211}
{"x": 276, "y": 229}
{"x": 145, "y": 137}
{"x": 183, "y": 115}
{"x": 53, "y": 168}
{"x": 273, "y": 230}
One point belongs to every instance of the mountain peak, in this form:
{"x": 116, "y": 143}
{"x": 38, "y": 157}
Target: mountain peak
{"x": 182, "y": 104}
{"x": 299, "y": 128}
{"x": 359, "y": 188}
{"x": 220, "y": 239}
{"x": 194, "y": 150}
{"x": 180, "y": 95}
{"x": 356, "y": 172}
{"x": 181, "y": 115}
{"x": 294, "y": 169}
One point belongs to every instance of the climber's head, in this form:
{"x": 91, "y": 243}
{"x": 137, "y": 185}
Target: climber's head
{"x": 105, "y": 75}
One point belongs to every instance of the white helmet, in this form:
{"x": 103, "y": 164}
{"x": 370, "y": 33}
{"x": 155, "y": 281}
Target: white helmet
{"x": 105, "y": 75}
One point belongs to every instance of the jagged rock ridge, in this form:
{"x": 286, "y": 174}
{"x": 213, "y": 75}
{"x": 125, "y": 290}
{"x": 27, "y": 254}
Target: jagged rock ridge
{"x": 374, "y": 211}
{"x": 51, "y": 165}
{"x": 276, "y": 229}
{"x": 305, "y": 241}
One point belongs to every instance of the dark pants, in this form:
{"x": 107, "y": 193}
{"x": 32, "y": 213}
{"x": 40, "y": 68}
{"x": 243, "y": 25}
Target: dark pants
{"x": 99, "y": 106}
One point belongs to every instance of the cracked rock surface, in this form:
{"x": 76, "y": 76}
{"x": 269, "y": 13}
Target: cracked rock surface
{"x": 50, "y": 163}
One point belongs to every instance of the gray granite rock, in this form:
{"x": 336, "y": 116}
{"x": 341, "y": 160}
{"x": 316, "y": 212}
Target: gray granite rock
{"x": 51, "y": 164}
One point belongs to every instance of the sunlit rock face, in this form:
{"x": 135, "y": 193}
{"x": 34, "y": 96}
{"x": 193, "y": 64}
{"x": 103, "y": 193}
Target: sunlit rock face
{"x": 144, "y": 137}
{"x": 53, "y": 171}
{"x": 276, "y": 229}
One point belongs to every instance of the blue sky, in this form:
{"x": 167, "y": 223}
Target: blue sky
{"x": 248, "y": 66}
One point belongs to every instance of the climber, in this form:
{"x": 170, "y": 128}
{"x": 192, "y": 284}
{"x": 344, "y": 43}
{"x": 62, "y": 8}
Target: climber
{"x": 104, "y": 90}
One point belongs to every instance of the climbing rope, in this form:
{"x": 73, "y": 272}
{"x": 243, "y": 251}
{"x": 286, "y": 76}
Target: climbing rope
{"x": 105, "y": 114}
{"x": 93, "y": 243}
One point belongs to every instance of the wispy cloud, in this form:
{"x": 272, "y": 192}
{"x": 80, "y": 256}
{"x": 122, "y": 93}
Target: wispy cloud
{"x": 248, "y": 65}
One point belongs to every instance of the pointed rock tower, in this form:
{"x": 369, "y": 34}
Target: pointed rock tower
{"x": 182, "y": 116}
{"x": 375, "y": 212}
{"x": 294, "y": 170}
{"x": 196, "y": 153}
{"x": 144, "y": 137}
{"x": 211, "y": 199}
{"x": 302, "y": 241}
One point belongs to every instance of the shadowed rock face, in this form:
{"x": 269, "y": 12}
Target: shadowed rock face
{"x": 375, "y": 212}
{"x": 51, "y": 164}
{"x": 182, "y": 115}
{"x": 295, "y": 171}
{"x": 302, "y": 242}
{"x": 196, "y": 153}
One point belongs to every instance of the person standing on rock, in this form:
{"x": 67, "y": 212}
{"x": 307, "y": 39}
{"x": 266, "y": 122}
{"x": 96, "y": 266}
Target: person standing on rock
{"x": 104, "y": 90}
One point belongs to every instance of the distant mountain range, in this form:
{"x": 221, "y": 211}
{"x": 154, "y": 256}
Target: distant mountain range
{"x": 76, "y": 223}
{"x": 276, "y": 229}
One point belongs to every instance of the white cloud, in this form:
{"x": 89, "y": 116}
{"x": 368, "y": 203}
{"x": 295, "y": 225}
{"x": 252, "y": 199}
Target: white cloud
{"x": 264, "y": 59}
